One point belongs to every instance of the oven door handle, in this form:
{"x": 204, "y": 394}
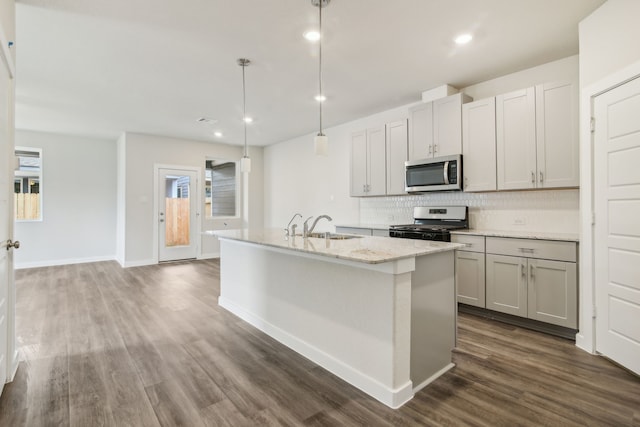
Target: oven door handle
{"x": 446, "y": 172}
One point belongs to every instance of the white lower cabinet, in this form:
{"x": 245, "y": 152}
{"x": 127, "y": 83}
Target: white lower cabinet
{"x": 522, "y": 281}
{"x": 470, "y": 278}
{"x": 470, "y": 270}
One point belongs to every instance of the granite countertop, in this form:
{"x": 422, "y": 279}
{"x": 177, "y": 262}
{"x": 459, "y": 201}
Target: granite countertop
{"x": 365, "y": 249}
{"x": 539, "y": 235}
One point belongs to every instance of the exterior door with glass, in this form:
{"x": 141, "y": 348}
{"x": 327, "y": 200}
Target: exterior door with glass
{"x": 177, "y": 214}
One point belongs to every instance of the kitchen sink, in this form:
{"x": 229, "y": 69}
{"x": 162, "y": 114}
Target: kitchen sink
{"x": 334, "y": 236}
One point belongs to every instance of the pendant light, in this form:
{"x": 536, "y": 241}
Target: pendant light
{"x": 320, "y": 142}
{"x": 245, "y": 162}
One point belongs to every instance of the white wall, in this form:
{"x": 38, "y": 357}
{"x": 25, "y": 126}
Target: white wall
{"x": 298, "y": 181}
{"x": 609, "y": 40}
{"x": 609, "y": 55}
{"x": 79, "y": 202}
{"x": 140, "y": 153}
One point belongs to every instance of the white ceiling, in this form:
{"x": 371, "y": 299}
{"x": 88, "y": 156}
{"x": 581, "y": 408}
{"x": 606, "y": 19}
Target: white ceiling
{"x": 98, "y": 68}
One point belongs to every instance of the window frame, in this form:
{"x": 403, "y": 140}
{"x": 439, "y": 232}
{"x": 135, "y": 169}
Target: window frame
{"x": 238, "y": 188}
{"x": 17, "y": 173}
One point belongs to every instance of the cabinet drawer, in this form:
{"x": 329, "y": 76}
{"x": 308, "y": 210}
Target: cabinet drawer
{"x": 531, "y": 248}
{"x": 474, "y": 243}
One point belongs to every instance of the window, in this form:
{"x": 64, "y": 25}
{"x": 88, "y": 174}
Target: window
{"x": 27, "y": 184}
{"x": 220, "y": 188}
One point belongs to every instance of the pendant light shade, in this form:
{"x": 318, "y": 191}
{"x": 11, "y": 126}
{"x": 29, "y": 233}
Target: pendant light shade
{"x": 321, "y": 145}
{"x": 245, "y": 162}
{"x": 321, "y": 141}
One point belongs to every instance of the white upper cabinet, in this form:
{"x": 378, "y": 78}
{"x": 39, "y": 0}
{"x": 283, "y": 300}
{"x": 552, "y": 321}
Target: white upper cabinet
{"x": 557, "y": 135}
{"x": 377, "y": 174}
{"x": 537, "y": 141}
{"x": 447, "y": 124}
{"x": 435, "y": 128}
{"x": 479, "y": 145}
{"x": 397, "y": 147}
{"x": 377, "y": 160}
{"x": 359, "y": 163}
{"x": 421, "y": 131}
{"x": 516, "y": 139}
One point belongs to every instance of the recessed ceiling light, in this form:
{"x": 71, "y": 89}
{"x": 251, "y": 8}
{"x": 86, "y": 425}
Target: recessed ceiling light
{"x": 320, "y": 98}
{"x": 463, "y": 38}
{"x": 248, "y": 119}
{"x": 217, "y": 134}
{"x": 312, "y": 35}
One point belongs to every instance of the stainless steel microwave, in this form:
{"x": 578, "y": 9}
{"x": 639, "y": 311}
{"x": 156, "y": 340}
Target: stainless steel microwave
{"x": 434, "y": 174}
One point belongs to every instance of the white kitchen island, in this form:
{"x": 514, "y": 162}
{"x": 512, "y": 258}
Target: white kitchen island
{"x": 378, "y": 312}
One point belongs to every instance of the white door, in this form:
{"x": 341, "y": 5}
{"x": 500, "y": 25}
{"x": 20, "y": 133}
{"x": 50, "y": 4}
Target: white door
{"x": 177, "y": 214}
{"x": 617, "y": 224}
{"x": 6, "y": 223}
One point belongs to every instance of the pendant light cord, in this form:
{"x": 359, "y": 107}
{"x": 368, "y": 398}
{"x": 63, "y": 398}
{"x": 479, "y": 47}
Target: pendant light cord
{"x": 244, "y": 109}
{"x": 320, "y": 63}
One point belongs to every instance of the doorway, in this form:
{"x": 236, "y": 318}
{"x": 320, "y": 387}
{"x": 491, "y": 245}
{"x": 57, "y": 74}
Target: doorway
{"x": 177, "y": 204}
{"x": 617, "y": 229}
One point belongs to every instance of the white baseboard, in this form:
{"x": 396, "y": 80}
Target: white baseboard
{"x": 210, "y": 255}
{"x": 51, "y": 263}
{"x": 393, "y": 398}
{"x": 140, "y": 263}
{"x": 433, "y": 377}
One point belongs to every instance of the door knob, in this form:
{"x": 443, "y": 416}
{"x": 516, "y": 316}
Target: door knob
{"x": 11, "y": 244}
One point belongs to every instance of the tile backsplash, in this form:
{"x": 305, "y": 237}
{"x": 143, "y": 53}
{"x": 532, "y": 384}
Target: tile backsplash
{"x": 542, "y": 210}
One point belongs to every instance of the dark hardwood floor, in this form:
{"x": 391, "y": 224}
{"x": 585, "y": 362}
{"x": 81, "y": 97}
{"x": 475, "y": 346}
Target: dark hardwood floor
{"x": 149, "y": 346}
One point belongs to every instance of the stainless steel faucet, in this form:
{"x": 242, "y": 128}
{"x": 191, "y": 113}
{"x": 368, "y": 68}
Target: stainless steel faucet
{"x": 293, "y": 227}
{"x": 308, "y": 230}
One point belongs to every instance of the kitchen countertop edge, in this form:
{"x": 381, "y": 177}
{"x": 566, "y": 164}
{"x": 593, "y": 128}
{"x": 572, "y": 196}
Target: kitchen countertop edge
{"x": 535, "y": 235}
{"x": 363, "y": 249}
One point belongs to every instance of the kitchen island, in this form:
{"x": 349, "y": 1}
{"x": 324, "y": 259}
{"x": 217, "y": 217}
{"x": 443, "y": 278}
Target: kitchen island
{"x": 378, "y": 312}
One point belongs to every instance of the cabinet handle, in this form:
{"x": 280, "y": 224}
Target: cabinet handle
{"x": 430, "y": 148}
{"x": 524, "y": 271}
{"x": 531, "y": 272}
{"x": 541, "y": 176}
{"x": 435, "y": 148}
{"x": 527, "y": 250}
{"x": 533, "y": 177}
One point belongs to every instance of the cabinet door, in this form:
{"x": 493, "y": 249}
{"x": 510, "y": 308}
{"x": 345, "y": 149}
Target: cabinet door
{"x": 516, "y": 140}
{"x": 397, "y": 146}
{"x": 447, "y": 125}
{"x": 479, "y": 145}
{"x": 553, "y": 292}
{"x": 470, "y": 279}
{"x": 421, "y": 131}
{"x": 377, "y": 164}
{"x": 557, "y": 135}
{"x": 358, "y": 164}
{"x": 507, "y": 284}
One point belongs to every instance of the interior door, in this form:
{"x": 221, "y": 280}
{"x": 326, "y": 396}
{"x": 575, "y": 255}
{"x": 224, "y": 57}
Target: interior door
{"x": 177, "y": 214}
{"x": 6, "y": 221}
{"x": 617, "y": 224}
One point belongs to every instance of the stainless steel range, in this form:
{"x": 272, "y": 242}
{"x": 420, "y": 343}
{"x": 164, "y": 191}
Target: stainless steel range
{"x": 433, "y": 223}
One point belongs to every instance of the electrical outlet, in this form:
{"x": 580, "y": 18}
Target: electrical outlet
{"x": 519, "y": 221}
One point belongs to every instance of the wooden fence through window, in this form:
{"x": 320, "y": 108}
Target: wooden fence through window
{"x": 177, "y": 222}
{"x": 26, "y": 205}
